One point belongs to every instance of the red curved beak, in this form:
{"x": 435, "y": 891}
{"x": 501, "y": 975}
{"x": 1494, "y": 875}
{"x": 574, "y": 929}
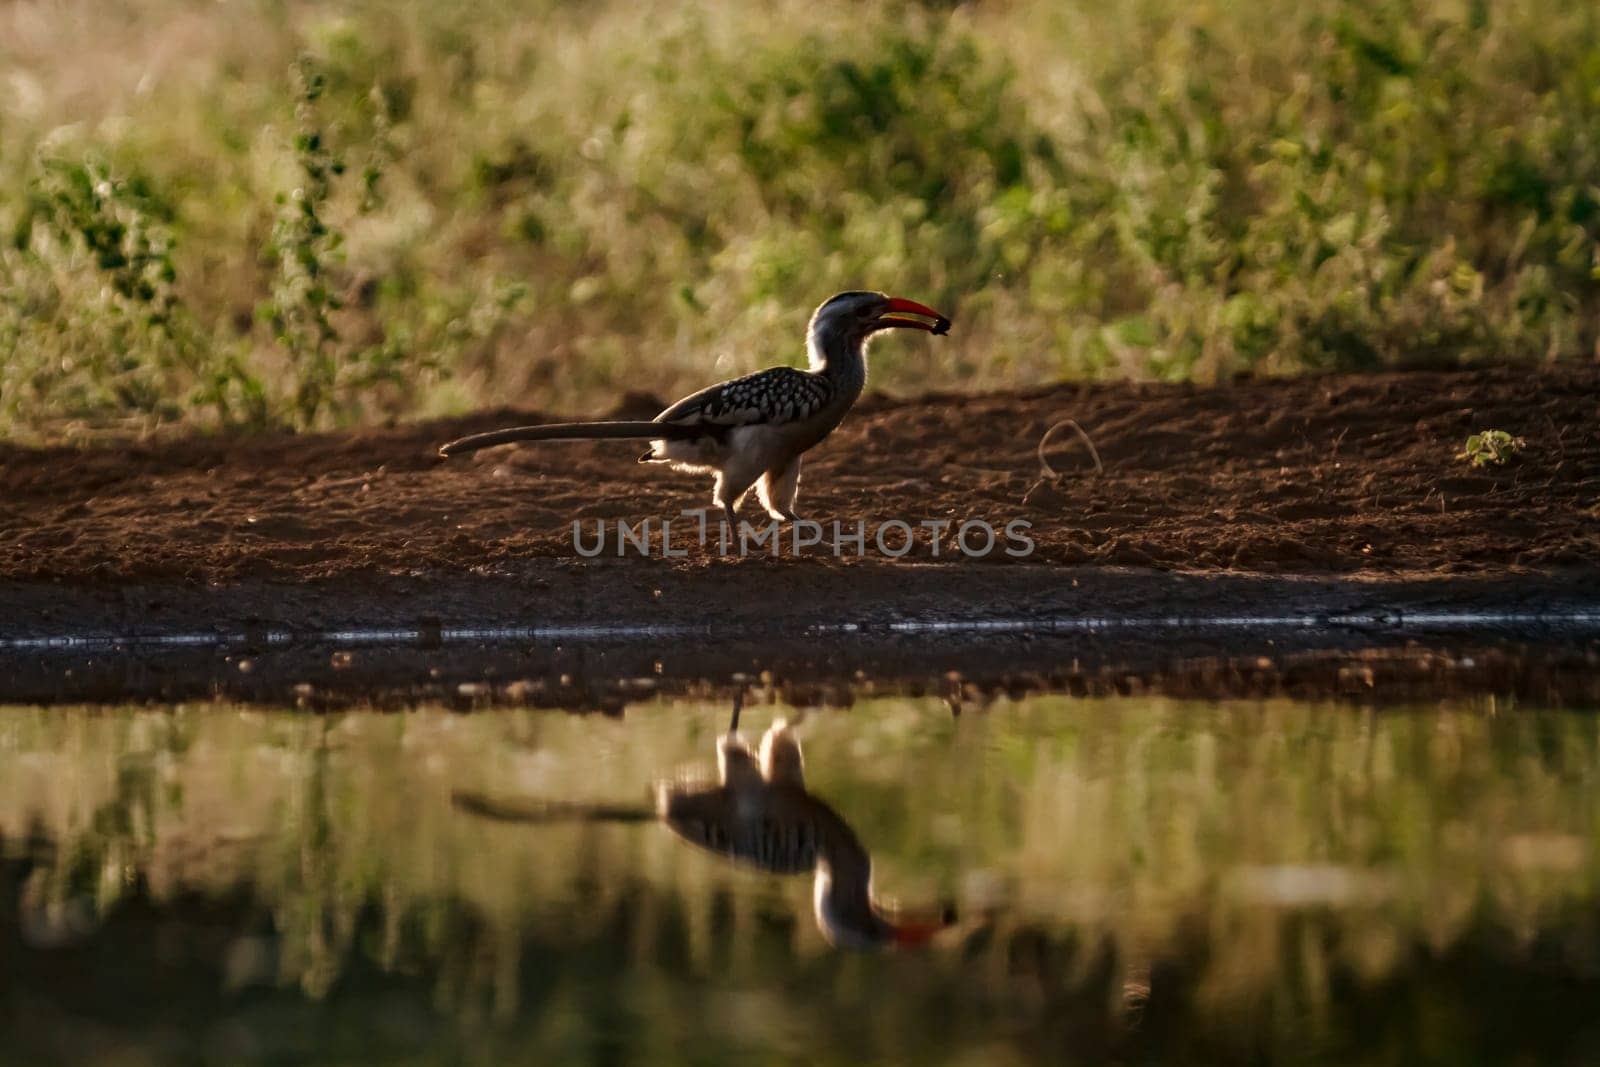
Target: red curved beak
{"x": 900, "y": 310}
{"x": 913, "y": 934}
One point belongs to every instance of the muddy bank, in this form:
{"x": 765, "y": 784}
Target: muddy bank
{"x": 1345, "y": 475}
{"x": 1313, "y": 522}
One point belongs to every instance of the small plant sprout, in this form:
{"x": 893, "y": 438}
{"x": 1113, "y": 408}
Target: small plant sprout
{"x": 1491, "y": 447}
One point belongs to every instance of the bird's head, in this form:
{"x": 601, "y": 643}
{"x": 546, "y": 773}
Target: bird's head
{"x": 846, "y": 320}
{"x": 850, "y": 917}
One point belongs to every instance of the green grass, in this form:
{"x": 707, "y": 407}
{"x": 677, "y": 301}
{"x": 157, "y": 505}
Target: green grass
{"x": 267, "y": 212}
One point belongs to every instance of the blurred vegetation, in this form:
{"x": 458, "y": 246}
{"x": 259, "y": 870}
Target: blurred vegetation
{"x": 1164, "y": 881}
{"x": 311, "y": 213}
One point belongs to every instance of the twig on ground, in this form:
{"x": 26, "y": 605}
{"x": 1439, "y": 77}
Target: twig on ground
{"x": 1094, "y": 453}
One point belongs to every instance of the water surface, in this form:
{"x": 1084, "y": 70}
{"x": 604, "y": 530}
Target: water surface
{"x": 1133, "y": 879}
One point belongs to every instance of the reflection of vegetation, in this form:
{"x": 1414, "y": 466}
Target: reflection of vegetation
{"x": 1161, "y": 188}
{"x": 1238, "y": 881}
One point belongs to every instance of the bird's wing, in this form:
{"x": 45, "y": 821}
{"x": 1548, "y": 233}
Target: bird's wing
{"x": 767, "y": 397}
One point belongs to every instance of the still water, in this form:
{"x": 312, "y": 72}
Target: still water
{"x": 1051, "y": 880}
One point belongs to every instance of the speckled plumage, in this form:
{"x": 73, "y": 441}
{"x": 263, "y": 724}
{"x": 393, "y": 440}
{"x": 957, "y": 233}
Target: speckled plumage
{"x": 778, "y": 395}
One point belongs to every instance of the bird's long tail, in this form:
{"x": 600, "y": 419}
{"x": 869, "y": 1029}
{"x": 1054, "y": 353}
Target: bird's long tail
{"x": 545, "y": 811}
{"x": 574, "y": 431}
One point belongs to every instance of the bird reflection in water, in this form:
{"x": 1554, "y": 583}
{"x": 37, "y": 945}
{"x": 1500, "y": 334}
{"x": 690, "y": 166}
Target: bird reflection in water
{"x": 760, "y": 814}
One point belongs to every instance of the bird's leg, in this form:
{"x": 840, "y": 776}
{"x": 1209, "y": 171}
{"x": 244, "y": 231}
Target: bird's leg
{"x": 778, "y": 488}
{"x": 732, "y": 485}
{"x": 736, "y": 764}
{"x": 722, "y": 499}
{"x": 781, "y": 761}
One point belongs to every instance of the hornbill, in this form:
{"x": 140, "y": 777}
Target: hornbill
{"x": 755, "y": 429}
{"x": 760, "y": 814}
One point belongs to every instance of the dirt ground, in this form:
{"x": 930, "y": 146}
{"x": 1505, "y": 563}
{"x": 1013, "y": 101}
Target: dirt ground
{"x": 1339, "y": 475}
